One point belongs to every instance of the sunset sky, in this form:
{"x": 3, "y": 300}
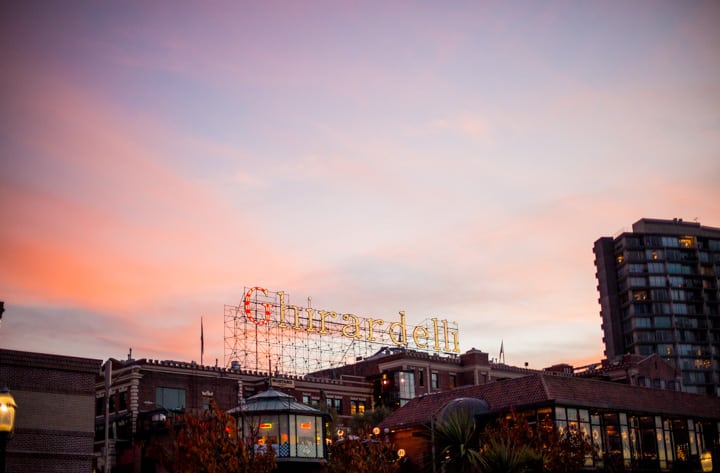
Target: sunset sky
{"x": 447, "y": 159}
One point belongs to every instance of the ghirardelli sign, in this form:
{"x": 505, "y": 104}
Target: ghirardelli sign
{"x": 437, "y": 335}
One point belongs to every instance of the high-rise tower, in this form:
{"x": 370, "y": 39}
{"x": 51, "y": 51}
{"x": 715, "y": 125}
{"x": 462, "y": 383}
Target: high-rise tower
{"x": 659, "y": 294}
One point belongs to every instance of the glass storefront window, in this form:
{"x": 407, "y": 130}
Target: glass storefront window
{"x": 306, "y": 437}
{"x": 289, "y": 435}
{"x": 267, "y": 434}
{"x": 625, "y": 435}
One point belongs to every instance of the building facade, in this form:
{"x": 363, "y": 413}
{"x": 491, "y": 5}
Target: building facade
{"x": 54, "y": 425}
{"x": 141, "y": 394}
{"x": 651, "y": 371}
{"x": 658, "y": 288}
{"x": 632, "y": 428}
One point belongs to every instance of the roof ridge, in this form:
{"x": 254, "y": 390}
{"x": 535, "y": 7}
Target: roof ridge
{"x": 545, "y": 387}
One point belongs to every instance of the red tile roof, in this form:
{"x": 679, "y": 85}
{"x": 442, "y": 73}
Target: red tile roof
{"x": 550, "y": 389}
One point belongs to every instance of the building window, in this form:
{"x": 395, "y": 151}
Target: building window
{"x": 357, "y": 407}
{"x": 638, "y": 282}
{"x": 686, "y": 242}
{"x": 334, "y": 403}
{"x": 406, "y": 382}
{"x": 307, "y": 399}
{"x": 207, "y": 399}
{"x": 677, "y": 281}
{"x": 434, "y": 381}
{"x": 170, "y": 398}
{"x": 670, "y": 242}
{"x": 122, "y": 401}
{"x": 453, "y": 381}
{"x": 421, "y": 378}
{"x": 99, "y": 406}
{"x": 665, "y": 350}
{"x": 658, "y": 281}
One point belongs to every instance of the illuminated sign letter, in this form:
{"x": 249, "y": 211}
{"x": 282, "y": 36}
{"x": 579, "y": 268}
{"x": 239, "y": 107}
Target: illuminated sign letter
{"x": 435, "y": 333}
{"x": 456, "y": 343}
{"x": 248, "y": 312}
{"x": 310, "y": 327}
{"x": 282, "y": 323}
{"x": 371, "y": 322}
{"x": 324, "y": 314}
{"x": 402, "y": 339}
{"x": 421, "y": 332}
{"x": 445, "y": 332}
{"x": 355, "y": 326}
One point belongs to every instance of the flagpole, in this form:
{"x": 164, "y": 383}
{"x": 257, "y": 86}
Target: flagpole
{"x": 202, "y": 341}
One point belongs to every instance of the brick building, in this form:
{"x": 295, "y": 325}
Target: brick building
{"x": 641, "y": 429}
{"x": 144, "y": 391}
{"x": 54, "y": 425}
{"x": 398, "y": 375}
{"x": 650, "y": 371}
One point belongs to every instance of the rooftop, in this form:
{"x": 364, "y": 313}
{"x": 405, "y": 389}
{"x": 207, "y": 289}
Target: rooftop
{"x": 544, "y": 389}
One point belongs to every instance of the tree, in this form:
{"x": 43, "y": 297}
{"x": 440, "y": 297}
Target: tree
{"x": 362, "y": 424}
{"x": 354, "y": 455}
{"x": 208, "y": 442}
{"x": 540, "y": 448}
{"x": 502, "y": 455}
{"x": 458, "y": 440}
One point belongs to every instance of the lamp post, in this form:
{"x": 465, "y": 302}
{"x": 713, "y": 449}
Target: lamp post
{"x": 7, "y": 422}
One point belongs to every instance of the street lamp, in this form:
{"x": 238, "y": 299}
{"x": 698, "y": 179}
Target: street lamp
{"x": 7, "y": 422}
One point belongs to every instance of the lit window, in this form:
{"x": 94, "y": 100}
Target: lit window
{"x": 357, "y": 407}
{"x": 406, "y": 381}
{"x": 686, "y": 242}
{"x": 434, "y": 381}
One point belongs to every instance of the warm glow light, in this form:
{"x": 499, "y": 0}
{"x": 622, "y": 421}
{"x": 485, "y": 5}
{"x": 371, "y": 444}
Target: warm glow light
{"x": 376, "y": 431}
{"x": 7, "y": 411}
{"x": 307, "y": 426}
{"x": 401, "y": 452}
{"x": 706, "y": 462}
{"x": 266, "y": 425}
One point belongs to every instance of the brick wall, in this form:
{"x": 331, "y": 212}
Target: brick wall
{"x": 54, "y": 425}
